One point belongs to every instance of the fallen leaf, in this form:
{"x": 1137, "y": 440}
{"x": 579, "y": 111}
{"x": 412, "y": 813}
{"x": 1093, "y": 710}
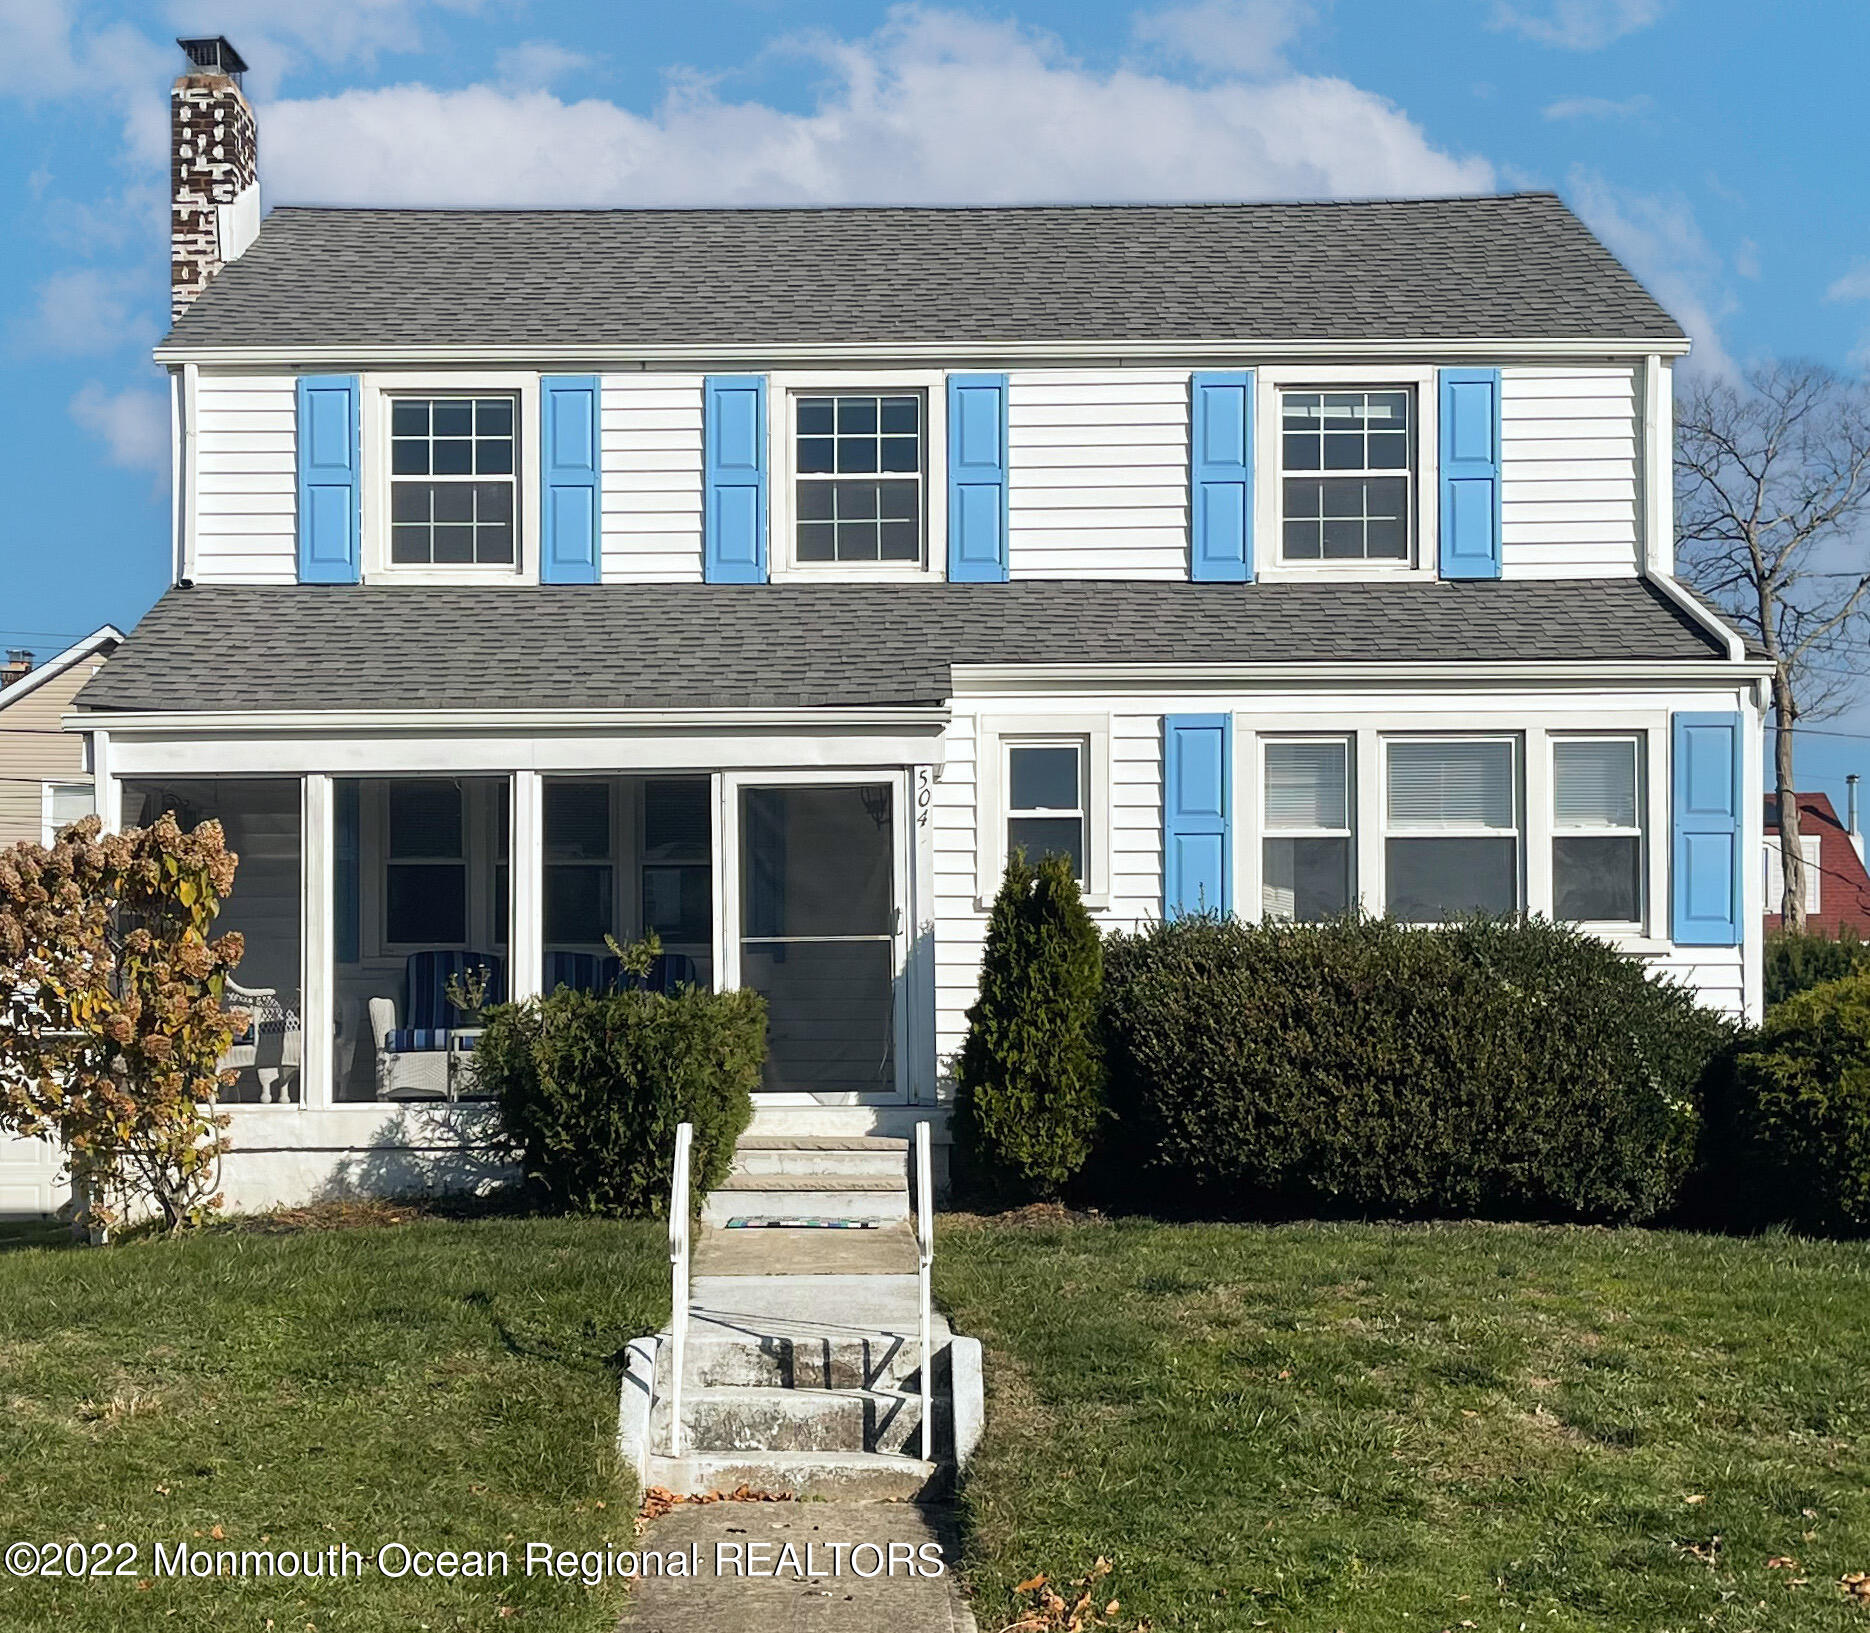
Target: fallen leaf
{"x": 1031, "y": 1583}
{"x": 1698, "y": 1497}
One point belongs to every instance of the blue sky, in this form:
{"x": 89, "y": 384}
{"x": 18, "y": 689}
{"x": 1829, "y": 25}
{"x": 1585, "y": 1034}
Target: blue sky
{"x": 1715, "y": 144}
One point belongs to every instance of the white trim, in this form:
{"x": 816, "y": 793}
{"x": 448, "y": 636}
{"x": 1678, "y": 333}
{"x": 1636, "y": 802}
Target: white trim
{"x": 1346, "y": 675}
{"x": 109, "y": 784}
{"x": 1658, "y": 466}
{"x": 782, "y": 389}
{"x": 992, "y": 732}
{"x": 1420, "y": 565}
{"x": 99, "y": 638}
{"x": 525, "y": 950}
{"x": 318, "y": 1051}
{"x": 957, "y": 352}
{"x": 1736, "y": 647}
{"x": 374, "y": 454}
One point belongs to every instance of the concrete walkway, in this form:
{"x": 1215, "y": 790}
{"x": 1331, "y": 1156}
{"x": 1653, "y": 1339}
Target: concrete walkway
{"x": 725, "y": 1598}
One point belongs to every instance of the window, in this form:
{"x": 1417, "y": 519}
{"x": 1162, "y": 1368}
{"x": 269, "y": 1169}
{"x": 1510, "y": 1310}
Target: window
{"x": 1597, "y": 832}
{"x": 1451, "y": 842}
{"x": 678, "y": 848}
{"x": 425, "y": 879}
{"x": 1305, "y": 856}
{"x": 858, "y": 477}
{"x": 451, "y": 481}
{"x": 1811, "y": 848}
{"x": 63, "y": 803}
{"x": 578, "y": 877}
{"x": 1045, "y": 803}
{"x": 1345, "y": 459}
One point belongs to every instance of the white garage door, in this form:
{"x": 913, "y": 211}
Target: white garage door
{"x": 30, "y": 1179}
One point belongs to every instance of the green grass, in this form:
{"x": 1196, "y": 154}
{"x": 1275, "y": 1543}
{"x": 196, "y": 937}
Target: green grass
{"x": 1319, "y": 1427}
{"x": 449, "y": 1384}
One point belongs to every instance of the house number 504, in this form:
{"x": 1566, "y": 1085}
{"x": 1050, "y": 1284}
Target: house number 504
{"x": 925, "y": 794}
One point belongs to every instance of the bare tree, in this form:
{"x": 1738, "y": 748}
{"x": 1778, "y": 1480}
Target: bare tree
{"x": 1772, "y": 484}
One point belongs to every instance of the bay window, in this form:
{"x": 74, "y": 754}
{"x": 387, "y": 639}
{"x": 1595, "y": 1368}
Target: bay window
{"x": 1451, "y": 828}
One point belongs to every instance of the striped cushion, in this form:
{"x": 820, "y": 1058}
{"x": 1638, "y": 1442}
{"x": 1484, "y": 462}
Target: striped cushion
{"x": 407, "y": 1040}
{"x": 582, "y": 972}
{"x": 429, "y": 974}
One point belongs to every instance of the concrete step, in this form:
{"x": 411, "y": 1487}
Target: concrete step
{"x": 795, "y": 1361}
{"x": 807, "y": 1196}
{"x": 838, "y": 1158}
{"x": 877, "y": 1477}
{"x": 887, "y": 1250}
{"x": 805, "y": 1420}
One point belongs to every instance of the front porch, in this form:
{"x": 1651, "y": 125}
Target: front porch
{"x": 385, "y": 875}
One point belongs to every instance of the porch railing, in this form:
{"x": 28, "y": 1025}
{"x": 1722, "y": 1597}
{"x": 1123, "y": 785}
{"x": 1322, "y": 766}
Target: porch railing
{"x": 925, "y": 1259}
{"x": 678, "y": 1276}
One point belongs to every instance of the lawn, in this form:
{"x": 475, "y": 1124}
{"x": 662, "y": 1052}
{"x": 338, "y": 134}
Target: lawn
{"x": 1367, "y": 1428}
{"x": 449, "y": 1384}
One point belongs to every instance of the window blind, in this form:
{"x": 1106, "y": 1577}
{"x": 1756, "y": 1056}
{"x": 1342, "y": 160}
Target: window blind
{"x": 1305, "y": 785}
{"x": 1451, "y": 785}
{"x": 1594, "y": 783}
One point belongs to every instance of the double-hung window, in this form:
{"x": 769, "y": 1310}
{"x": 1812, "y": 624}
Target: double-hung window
{"x": 1305, "y": 852}
{"x": 1451, "y": 827}
{"x": 578, "y": 878}
{"x": 678, "y": 849}
{"x": 859, "y": 478}
{"x": 425, "y": 878}
{"x": 1046, "y": 802}
{"x": 451, "y": 481}
{"x": 63, "y": 803}
{"x": 1597, "y": 831}
{"x": 1346, "y": 463}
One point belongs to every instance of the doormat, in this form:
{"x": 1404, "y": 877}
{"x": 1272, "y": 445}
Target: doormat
{"x": 804, "y": 1224}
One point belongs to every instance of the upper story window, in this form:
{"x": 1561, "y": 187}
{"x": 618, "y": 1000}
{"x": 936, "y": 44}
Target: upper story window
{"x": 451, "y": 481}
{"x": 858, "y": 477}
{"x": 1346, "y": 465}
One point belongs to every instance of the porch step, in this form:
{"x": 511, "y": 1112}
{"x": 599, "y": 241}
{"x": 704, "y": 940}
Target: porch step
{"x": 800, "y": 1361}
{"x": 877, "y": 1477}
{"x": 844, "y": 1158}
{"x": 807, "y": 1196}
{"x": 886, "y": 1249}
{"x": 739, "y": 1420}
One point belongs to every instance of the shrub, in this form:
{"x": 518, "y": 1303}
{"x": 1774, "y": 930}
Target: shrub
{"x": 590, "y": 1088}
{"x": 1030, "y": 1076}
{"x": 1495, "y": 1068}
{"x": 1797, "y": 961}
{"x": 1801, "y": 1109}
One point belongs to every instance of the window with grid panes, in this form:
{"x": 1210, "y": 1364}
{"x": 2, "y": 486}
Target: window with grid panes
{"x": 451, "y": 481}
{"x": 858, "y": 471}
{"x": 1346, "y": 464}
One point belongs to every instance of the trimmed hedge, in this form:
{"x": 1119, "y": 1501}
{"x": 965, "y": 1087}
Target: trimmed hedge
{"x": 1798, "y": 961}
{"x": 590, "y": 1088}
{"x": 1030, "y": 1075}
{"x": 1801, "y": 1110}
{"x": 1493, "y": 1068}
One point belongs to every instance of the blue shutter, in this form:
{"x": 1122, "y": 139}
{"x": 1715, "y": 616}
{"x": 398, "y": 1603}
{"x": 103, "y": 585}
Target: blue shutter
{"x": 733, "y": 429}
{"x": 1197, "y": 775}
{"x": 1470, "y": 473}
{"x": 1220, "y": 477}
{"x": 329, "y": 523}
{"x": 568, "y": 453}
{"x": 977, "y": 478}
{"x": 1706, "y": 896}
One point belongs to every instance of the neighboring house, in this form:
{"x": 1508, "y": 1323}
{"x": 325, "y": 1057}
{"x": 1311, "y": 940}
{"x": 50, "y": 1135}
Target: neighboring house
{"x": 1837, "y": 885}
{"x": 45, "y": 783}
{"x": 762, "y": 576}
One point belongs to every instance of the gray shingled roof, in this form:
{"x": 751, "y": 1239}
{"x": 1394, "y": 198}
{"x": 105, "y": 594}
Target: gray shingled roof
{"x": 237, "y": 647}
{"x": 1510, "y": 267}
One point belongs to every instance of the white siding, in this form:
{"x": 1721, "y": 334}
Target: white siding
{"x": 246, "y": 494}
{"x": 1716, "y": 974}
{"x": 1570, "y": 496}
{"x": 651, "y": 452}
{"x": 1098, "y": 473}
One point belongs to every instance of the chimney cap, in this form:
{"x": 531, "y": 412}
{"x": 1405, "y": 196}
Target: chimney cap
{"x": 216, "y": 54}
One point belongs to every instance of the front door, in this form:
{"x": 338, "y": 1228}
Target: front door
{"x": 818, "y": 931}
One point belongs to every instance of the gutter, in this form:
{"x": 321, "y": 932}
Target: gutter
{"x": 398, "y": 722}
{"x": 1692, "y": 605}
{"x": 972, "y": 679}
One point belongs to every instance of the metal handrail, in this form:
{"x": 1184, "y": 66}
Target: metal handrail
{"x": 925, "y": 1258}
{"x": 678, "y": 1275}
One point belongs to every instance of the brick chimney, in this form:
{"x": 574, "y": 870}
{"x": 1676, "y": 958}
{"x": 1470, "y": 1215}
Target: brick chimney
{"x": 214, "y": 182}
{"x": 18, "y": 665}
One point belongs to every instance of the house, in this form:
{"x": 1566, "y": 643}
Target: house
{"x": 45, "y": 783}
{"x": 760, "y": 576}
{"x": 1837, "y": 885}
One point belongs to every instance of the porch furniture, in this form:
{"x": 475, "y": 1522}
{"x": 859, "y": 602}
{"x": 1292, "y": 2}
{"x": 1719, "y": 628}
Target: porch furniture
{"x": 413, "y": 1060}
{"x": 271, "y": 1046}
{"x": 603, "y": 972}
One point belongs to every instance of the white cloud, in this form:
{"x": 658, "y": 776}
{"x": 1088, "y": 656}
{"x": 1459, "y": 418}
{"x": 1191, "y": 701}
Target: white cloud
{"x": 133, "y": 424}
{"x": 537, "y": 65}
{"x": 116, "y": 66}
{"x": 1595, "y": 107}
{"x": 1577, "y": 25}
{"x": 84, "y": 312}
{"x": 1237, "y": 36}
{"x": 1853, "y": 285}
{"x": 1747, "y": 259}
{"x": 1657, "y": 237}
{"x": 933, "y": 107}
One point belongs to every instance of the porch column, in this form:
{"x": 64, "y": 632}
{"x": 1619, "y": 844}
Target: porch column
{"x": 527, "y": 938}
{"x": 107, "y": 790}
{"x": 317, "y": 907}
